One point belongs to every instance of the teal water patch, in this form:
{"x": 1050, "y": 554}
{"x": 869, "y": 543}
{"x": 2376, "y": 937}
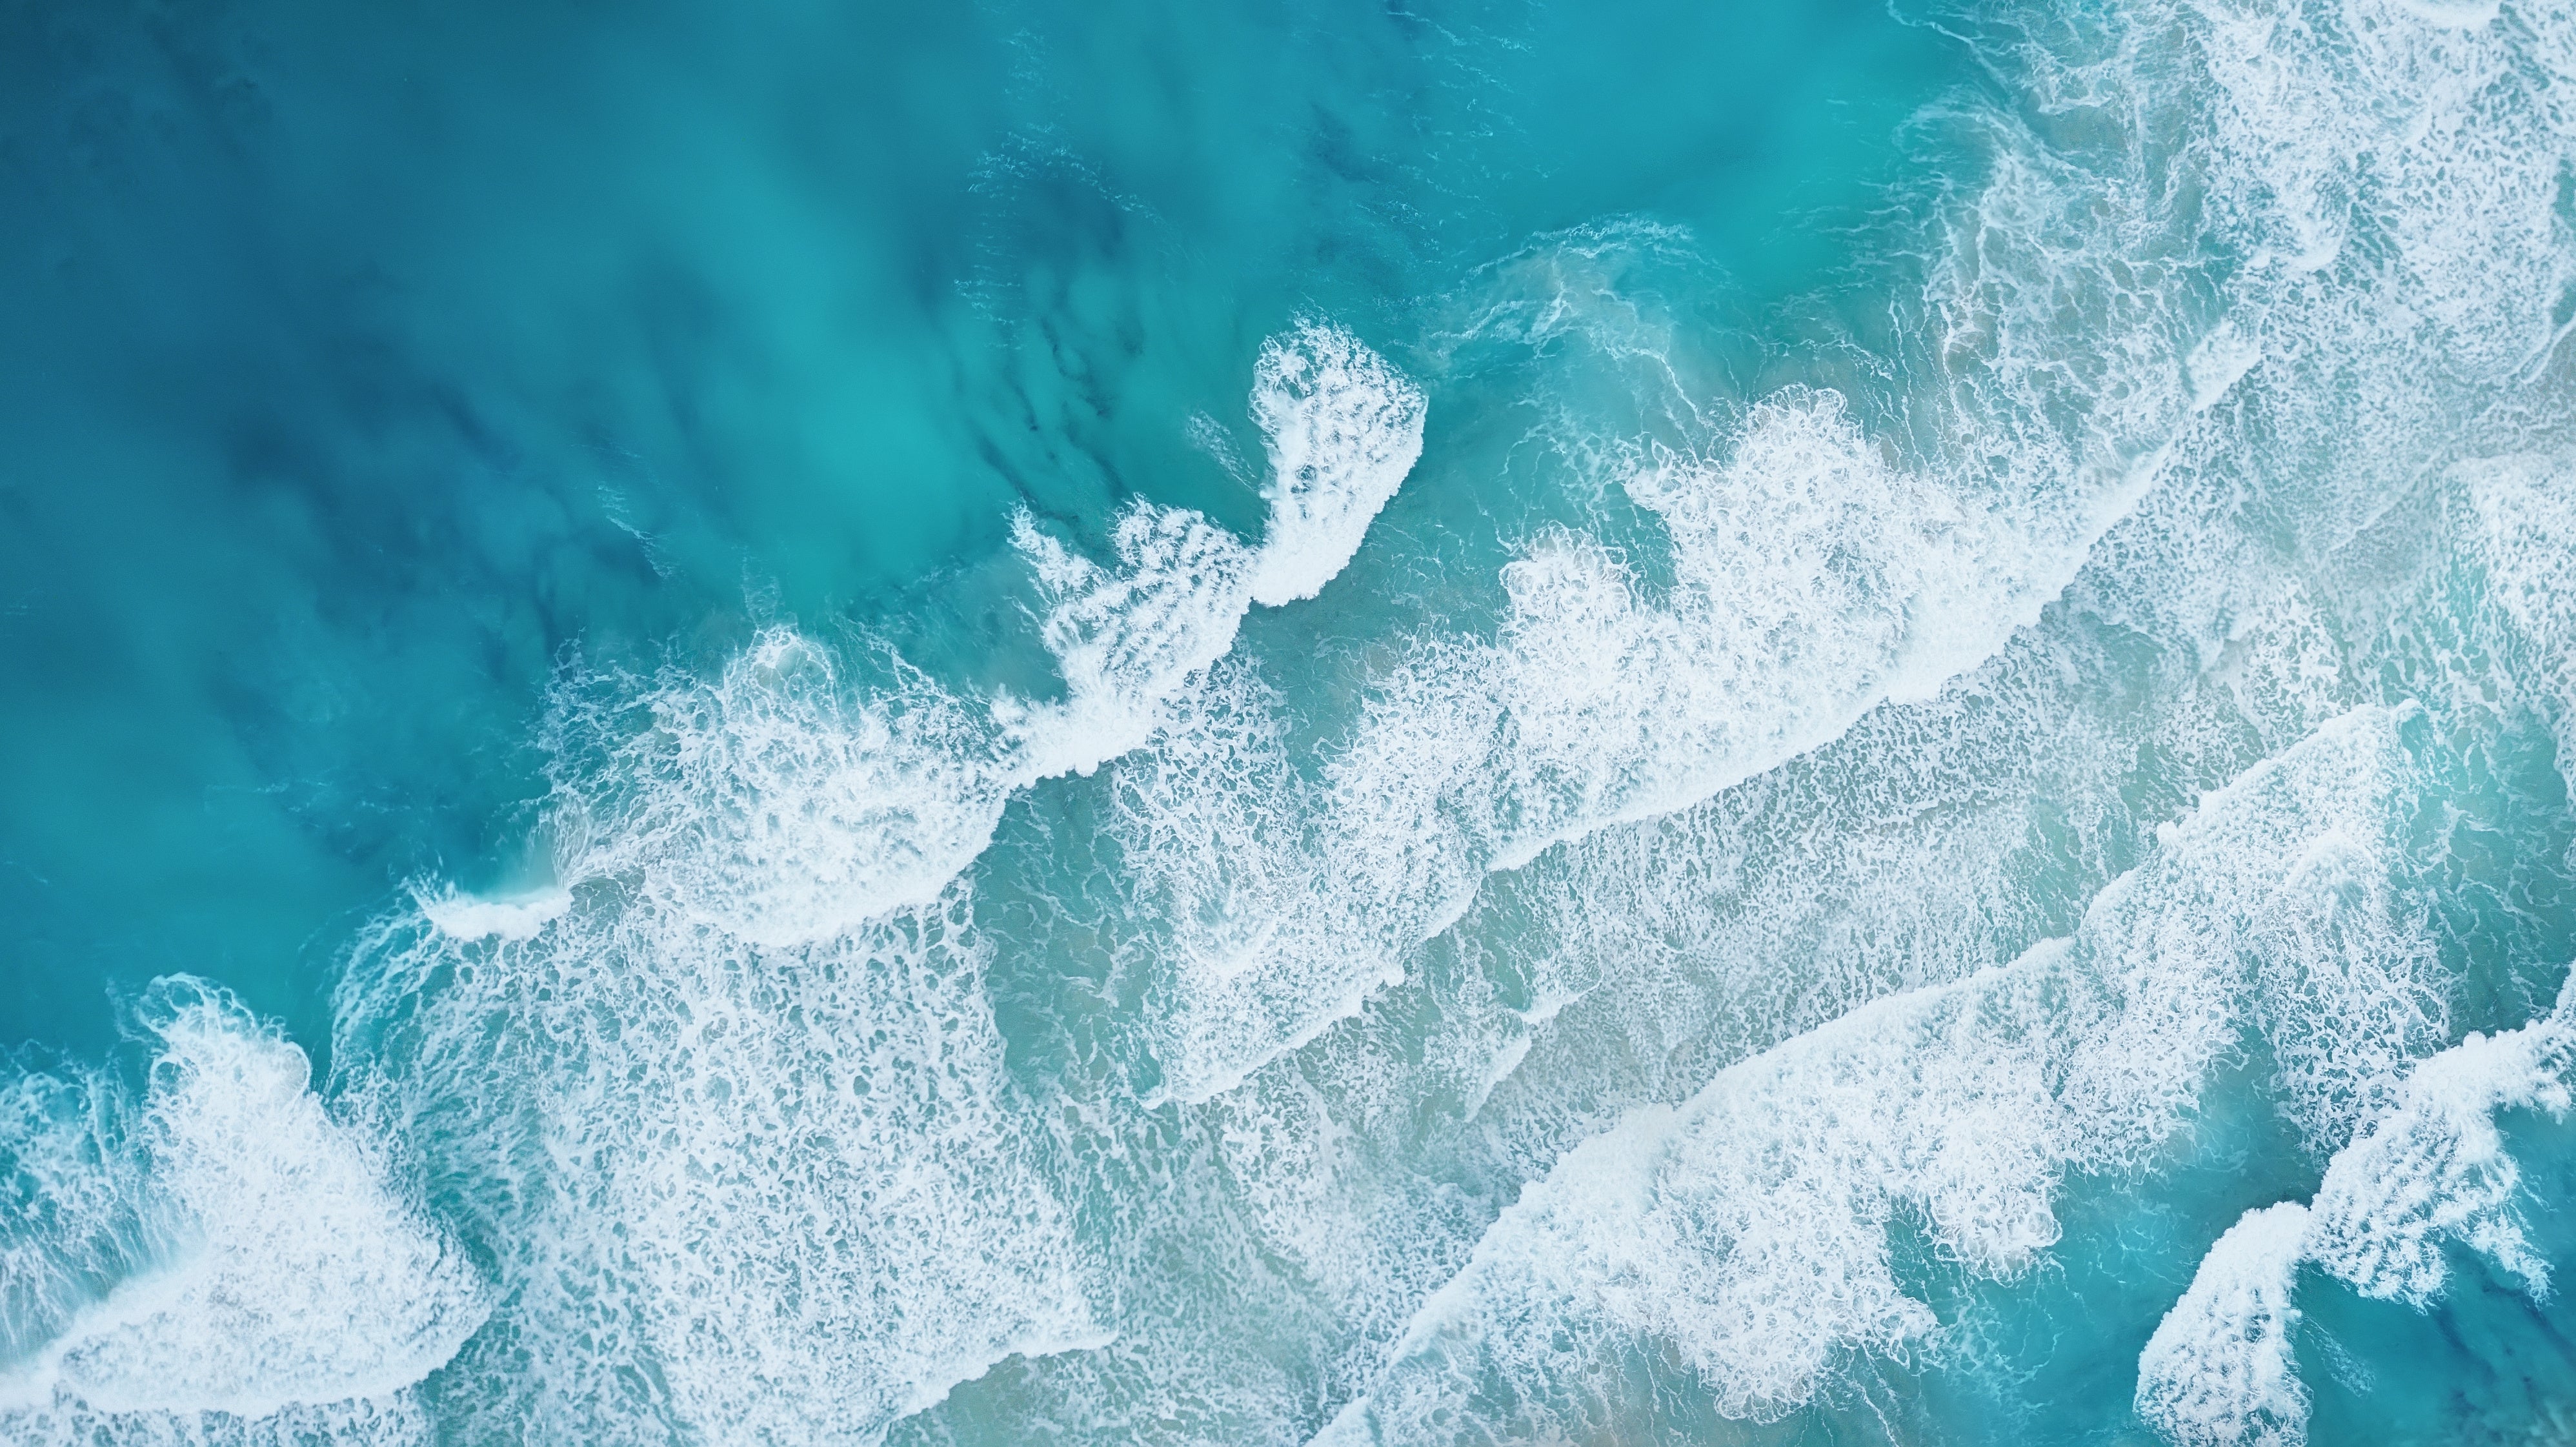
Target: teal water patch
{"x": 1356, "y": 725}
{"x": 366, "y": 367}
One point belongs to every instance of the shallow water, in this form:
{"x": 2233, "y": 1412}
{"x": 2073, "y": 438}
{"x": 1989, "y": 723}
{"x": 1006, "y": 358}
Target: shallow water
{"x": 1351, "y": 725}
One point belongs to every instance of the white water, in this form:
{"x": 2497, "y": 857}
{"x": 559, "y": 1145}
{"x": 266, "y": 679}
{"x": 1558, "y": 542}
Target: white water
{"x": 2219, "y": 1368}
{"x": 289, "y": 1276}
{"x": 1746, "y": 1232}
{"x": 733, "y": 1104}
{"x": 2428, "y": 1174}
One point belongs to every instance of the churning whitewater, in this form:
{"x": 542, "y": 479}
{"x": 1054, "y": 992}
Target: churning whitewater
{"x": 1975, "y": 850}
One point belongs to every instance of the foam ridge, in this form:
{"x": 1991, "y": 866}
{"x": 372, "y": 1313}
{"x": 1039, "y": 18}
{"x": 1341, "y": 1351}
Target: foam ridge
{"x": 2219, "y": 1367}
{"x": 282, "y": 1277}
{"x": 1746, "y": 1231}
{"x": 907, "y": 779}
{"x": 2430, "y": 1173}
{"x": 1342, "y": 429}
{"x": 1799, "y": 554}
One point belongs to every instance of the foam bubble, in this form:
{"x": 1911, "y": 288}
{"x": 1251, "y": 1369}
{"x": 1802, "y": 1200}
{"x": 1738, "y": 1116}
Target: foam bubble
{"x": 1811, "y": 580}
{"x": 2219, "y": 1369}
{"x": 1343, "y": 428}
{"x": 290, "y": 1273}
{"x": 1746, "y": 1233}
{"x": 471, "y": 917}
{"x": 2429, "y": 1172}
{"x": 2472, "y": 15}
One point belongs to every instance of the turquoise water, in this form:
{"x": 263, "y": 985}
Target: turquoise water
{"x": 1348, "y": 724}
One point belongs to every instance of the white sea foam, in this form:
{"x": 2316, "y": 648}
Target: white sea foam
{"x": 2389, "y": 206}
{"x": 780, "y": 1191}
{"x": 1129, "y": 638}
{"x": 1812, "y": 580}
{"x": 1810, "y": 572}
{"x": 1746, "y": 1233}
{"x": 73, "y": 1191}
{"x": 729, "y": 1103}
{"x": 2219, "y": 362}
{"x": 291, "y": 1276}
{"x": 1343, "y": 429}
{"x": 766, "y": 883}
{"x": 2435, "y": 1171}
{"x": 822, "y": 804}
{"x": 472, "y": 917}
{"x": 2429, "y": 1173}
{"x": 1651, "y": 953}
{"x": 2389, "y": 185}
{"x": 2520, "y": 525}
{"x": 400, "y": 1420}
{"x": 775, "y": 801}
{"x": 2219, "y": 1371}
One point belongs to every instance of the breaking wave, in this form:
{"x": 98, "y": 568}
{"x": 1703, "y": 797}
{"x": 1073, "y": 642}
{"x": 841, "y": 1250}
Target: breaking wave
{"x": 1670, "y": 923}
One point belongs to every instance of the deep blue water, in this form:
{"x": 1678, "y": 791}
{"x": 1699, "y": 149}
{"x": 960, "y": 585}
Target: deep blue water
{"x": 1343, "y": 724}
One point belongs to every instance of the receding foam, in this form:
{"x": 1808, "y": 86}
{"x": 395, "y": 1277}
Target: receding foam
{"x": 784, "y": 1191}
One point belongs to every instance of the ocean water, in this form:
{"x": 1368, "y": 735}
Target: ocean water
{"x": 1337, "y": 724}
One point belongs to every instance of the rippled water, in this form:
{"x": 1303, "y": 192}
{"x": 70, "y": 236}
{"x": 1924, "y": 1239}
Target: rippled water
{"x": 1176, "y": 724}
